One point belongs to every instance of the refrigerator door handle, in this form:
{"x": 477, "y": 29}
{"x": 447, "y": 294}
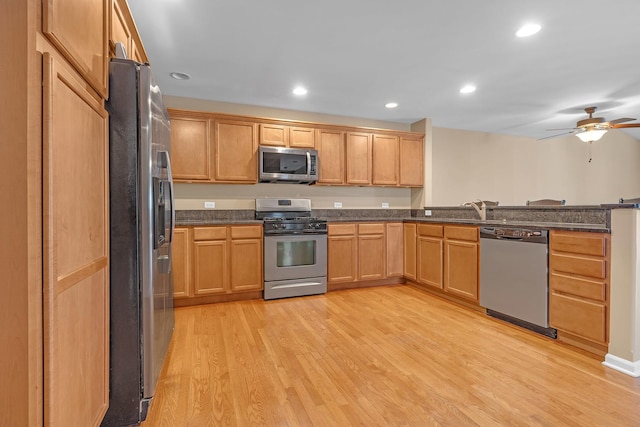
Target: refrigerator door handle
{"x": 172, "y": 197}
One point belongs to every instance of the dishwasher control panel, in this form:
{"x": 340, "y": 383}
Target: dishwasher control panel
{"x": 521, "y": 234}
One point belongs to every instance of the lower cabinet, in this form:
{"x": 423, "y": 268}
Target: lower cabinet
{"x": 446, "y": 258}
{"x": 461, "y": 261}
{"x": 359, "y": 252}
{"x": 410, "y": 251}
{"x": 217, "y": 260}
{"x": 579, "y": 288}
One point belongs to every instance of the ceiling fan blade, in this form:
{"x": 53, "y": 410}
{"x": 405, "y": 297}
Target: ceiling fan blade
{"x": 622, "y": 120}
{"x": 557, "y": 135}
{"x": 630, "y": 125}
{"x": 564, "y": 129}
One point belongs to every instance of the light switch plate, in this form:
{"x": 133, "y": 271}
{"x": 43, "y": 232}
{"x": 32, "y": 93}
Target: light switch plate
{"x": 385, "y": 205}
{"x": 337, "y": 204}
{"x": 427, "y": 212}
{"x": 210, "y": 205}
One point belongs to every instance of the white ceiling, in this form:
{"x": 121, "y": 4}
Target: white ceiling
{"x": 356, "y": 55}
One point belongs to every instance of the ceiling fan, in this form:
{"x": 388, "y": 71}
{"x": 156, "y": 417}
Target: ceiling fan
{"x": 593, "y": 128}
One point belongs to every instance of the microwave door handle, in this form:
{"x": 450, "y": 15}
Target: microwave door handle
{"x": 308, "y": 164}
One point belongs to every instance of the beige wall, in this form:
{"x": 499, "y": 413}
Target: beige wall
{"x": 476, "y": 165}
{"x": 193, "y": 196}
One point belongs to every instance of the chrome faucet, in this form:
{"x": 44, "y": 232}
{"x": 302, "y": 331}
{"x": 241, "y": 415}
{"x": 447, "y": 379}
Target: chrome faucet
{"x": 481, "y": 209}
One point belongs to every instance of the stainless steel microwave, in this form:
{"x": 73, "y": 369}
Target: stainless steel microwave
{"x": 288, "y": 165}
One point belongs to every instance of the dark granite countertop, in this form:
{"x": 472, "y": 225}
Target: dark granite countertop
{"x": 205, "y": 222}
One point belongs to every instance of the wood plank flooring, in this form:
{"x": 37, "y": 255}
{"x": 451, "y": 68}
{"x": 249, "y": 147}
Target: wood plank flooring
{"x": 384, "y": 356}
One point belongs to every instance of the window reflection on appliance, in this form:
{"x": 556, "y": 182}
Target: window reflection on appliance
{"x": 292, "y": 254}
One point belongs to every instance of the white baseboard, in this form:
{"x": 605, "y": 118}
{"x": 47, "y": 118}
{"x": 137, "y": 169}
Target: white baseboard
{"x": 622, "y": 365}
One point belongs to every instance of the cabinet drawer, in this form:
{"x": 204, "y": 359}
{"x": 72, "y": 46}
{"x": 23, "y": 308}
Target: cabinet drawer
{"x": 371, "y": 228}
{"x": 584, "y": 318}
{"x": 591, "y": 289}
{"x": 430, "y": 230}
{"x": 342, "y": 229}
{"x": 579, "y": 243}
{"x": 209, "y": 233}
{"x": 461, "y": 233}
{"x": 246, "y": 232}
{"x": 589, "y": 267}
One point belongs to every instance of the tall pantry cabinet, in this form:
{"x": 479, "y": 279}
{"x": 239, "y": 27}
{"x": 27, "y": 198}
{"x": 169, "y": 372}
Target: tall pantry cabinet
{"x": 54, "y": 259}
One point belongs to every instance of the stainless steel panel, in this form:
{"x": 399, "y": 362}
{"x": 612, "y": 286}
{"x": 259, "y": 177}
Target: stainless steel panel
{"x": 514, "y": 279}
{"x": 295, "y": 288}
{"x": 282, "y": 205}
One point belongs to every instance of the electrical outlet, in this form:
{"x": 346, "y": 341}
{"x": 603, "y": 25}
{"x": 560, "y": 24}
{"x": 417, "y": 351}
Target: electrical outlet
{"x": 385, "y": 205}
{"x": 210, "y": 205}
{"x": 337, "y": 204}
{"x": 427, "y": 212}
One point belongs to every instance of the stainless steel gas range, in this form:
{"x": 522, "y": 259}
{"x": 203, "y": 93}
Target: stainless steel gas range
{"x": 295, "y": 248}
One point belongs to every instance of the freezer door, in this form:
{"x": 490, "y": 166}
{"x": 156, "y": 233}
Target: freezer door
{"x": 157, "y": 222}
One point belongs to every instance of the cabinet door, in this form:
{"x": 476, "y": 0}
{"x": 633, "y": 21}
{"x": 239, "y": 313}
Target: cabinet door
{"x": 119, "y": 30}
{"x": 274, "y": 135}
{"x": 410, "y": 252}
{"x": 371, "y": 257}
{"x": 331, "y": 152}
{"x": 190, "y": 149}
{"x": 358, "y": 158}
{"x": 79, "y": 29}
{"x": 461, "y": 268}
{"x": 300, "y": 137}
{"x": 210, "y": 267}
{"x": 394, "y": 249}
{"x": 246, "y": 265}
{"x": 75, "y": 249}
{"x": 411, "y": 162}
{"x": 180, "y": 253}
{"x": 341, "y": 259}
{"x": 384, "y": 152}
{"x": 236, "y": 148}
{"x": 430, "y": 261}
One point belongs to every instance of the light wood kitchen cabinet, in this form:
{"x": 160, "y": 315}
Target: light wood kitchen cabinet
{"x": 79, "y": 29}
{"x": 227, "y": 259}
{"x": 411, "y": 169}
{"x": 123, "y": 30}
{"x": 287, "y": 136}
{"x": 191, "y": 157}
{"x": 235, "y": 151}
{"x": 358, "y": 158}
{"x": 461, "y": 261}
{"x": 331, "y": 153}
{"x": 371, "y": 251}
{"x": 342, "y": 253}
{"x": 181, "y": 262}
{"x": 394, "y": 249}
{"x": 384, "y": 158}
{"x": 410, "y": 251}
{"x": 579, "y": 264}
{"x": 75, "y": 204}
{"x": 430, "y": 254}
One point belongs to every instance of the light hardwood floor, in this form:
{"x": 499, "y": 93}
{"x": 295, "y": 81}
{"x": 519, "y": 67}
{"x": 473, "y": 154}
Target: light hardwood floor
{"x": 384, "y": 356}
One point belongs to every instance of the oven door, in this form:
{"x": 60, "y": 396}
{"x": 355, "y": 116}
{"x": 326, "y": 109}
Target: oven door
{"x": 295, "y": 256}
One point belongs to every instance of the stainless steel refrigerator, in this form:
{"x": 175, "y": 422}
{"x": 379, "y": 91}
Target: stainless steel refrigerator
{"x": 142, "y": 224}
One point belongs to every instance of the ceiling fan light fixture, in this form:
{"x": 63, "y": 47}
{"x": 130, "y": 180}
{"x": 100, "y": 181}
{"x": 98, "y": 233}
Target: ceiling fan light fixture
{"x": 591, "y": 135}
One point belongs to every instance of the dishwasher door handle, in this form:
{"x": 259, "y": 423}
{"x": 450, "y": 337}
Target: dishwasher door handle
{"x": 517, "y": 239}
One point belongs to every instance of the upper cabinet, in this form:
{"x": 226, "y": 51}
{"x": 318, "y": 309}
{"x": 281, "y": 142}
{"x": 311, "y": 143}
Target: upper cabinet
{"x": 235, "y": 151}
{"x": 123, "y": 31}
{"x": 79, "y": 29}
{"x": 209, "y": 147}
{"x": 287, "y": 136}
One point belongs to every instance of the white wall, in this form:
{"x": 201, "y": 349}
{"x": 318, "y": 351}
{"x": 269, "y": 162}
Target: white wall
{"x": 476, "y": 165}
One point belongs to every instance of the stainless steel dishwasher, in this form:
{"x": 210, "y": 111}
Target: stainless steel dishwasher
{"x": 514, "y": 284}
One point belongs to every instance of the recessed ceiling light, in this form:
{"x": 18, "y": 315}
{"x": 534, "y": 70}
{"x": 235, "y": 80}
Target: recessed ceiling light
{"x": 299, "y": 91}
{"x": 468, "y": 89}
{"x": 528, "y": 30}
{"x": 391, "y": 104}
{"x": 180, "y": 76}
